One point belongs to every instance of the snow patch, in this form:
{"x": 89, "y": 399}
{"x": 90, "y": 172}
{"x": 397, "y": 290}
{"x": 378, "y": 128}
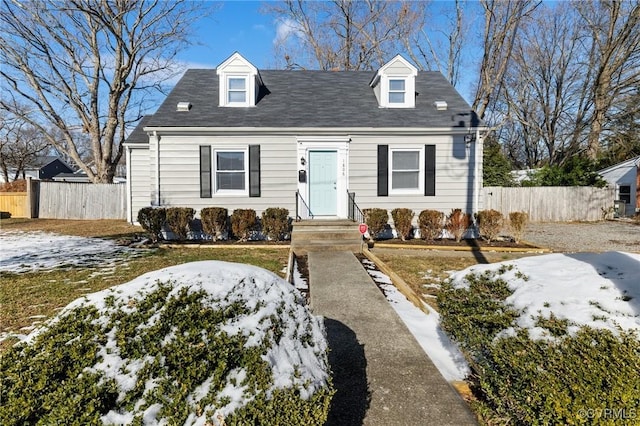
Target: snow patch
{"x": 598, "y": 290}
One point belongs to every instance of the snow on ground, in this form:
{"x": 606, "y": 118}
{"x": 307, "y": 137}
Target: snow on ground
{"x": 599, "y": 290}
{"x": 33, "y": 251}
{"x": 293, "y": 362}
{"x": 425, "y": 328}
{"x": 587, "y": 289}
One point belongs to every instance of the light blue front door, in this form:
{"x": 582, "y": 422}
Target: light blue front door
{"x": 323, "y": 177}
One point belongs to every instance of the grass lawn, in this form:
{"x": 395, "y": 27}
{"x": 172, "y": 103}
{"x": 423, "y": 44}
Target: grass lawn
{"x": 424, "y": 270}
{"x": 30, "y": 298}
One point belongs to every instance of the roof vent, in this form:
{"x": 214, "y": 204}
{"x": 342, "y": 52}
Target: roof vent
{"x": 440, "y": 105}
{"x": 183, "y": 106}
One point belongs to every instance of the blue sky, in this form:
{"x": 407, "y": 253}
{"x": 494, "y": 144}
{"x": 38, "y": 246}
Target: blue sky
{"x": 234, "y": 26}
{"x": 238, "y": 25}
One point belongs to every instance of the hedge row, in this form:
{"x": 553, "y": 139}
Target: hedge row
{"x": 216, "y": 222}
{"x": 588, "y": 377}
{"x": 431, "y": 223}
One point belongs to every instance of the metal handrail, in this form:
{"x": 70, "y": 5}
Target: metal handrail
{"x": 355, "y": 214}
{"x": 307, "y": 210}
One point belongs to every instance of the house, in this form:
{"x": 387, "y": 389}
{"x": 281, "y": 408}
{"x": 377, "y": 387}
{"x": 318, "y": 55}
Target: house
{"x": 44, "y": 168}
{"x": 239, "y": 137}
{"x": 625, "y": 178}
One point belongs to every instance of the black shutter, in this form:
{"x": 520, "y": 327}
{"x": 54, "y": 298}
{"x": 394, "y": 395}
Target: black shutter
{"x": 429, "y": 170}
{"x": 205, "y": 172}
{"x": 254, "y": 170}
{"x": 383, "y": 170}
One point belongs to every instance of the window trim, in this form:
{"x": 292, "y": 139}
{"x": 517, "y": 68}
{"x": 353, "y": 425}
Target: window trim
{"x": 419, "y": 190}
{"x": 214, "y": 172}
{"x": 228, "y": 90}
{"x": 403, "y": 91}
{"x": 627, "y": 195}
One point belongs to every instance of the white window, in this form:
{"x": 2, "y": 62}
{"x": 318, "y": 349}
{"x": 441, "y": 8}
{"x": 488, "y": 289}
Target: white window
{"x": 406, "y": 175}
{"x": 236, "y": 90}
{"x": 397, "y": 91}
{"x": 231, "y": 175}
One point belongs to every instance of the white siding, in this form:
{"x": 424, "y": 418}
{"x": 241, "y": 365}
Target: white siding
{"x": 237, "y": 65}
{"x": 180, "y": 172}
{"x": 279, "y": 159}
{"x": 455, "y": 178}
{"x": 398, "y": 68}
{"x": 141, "y": 195}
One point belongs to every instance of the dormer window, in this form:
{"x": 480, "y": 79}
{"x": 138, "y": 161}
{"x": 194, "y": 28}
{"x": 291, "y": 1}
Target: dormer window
{"x": 239, "y": 82}
{"x": 396, "y": 91}
{"x": 395, "y": 84}
{"x": 237, "y": 90}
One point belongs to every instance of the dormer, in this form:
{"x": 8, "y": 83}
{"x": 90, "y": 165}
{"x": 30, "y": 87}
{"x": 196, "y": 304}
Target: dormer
{"x": 239, "y": 82}
{"x": 395, "y": 84}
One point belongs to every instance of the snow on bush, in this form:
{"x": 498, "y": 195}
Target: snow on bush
{"x": 201, "y": 343}
{"x": 551, "y": 339}
{"x": 598, "y": 290}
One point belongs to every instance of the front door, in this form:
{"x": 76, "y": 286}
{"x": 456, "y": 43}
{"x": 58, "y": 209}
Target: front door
{"x": 323, "y": 177}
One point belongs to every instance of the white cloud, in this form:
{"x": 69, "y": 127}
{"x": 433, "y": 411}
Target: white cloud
{"x": 286, "y": 28}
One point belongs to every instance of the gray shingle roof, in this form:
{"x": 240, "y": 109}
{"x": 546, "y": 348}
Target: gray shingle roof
{"x": 311, "y": 99}
{"x": 139, "y": 135}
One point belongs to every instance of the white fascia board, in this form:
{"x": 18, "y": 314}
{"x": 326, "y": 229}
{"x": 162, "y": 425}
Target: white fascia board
{"x": 337, "y": 131}
{"x": 136, "y": 145}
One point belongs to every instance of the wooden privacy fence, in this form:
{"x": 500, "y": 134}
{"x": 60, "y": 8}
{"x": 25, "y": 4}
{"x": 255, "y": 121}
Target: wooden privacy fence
{"x": 551, "y": 203}
{"x": 15, "y": 203}
{"x": 65, "y": 200}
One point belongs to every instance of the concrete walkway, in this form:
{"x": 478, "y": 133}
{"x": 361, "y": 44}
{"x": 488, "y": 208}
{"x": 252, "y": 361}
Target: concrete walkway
{"x": 381, "y": 374}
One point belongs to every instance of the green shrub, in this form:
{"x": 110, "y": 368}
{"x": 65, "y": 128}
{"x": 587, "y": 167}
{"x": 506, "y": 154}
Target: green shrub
{"x": 590, "y": 377}
{"x": 243, "y": 222}
{"x": 402, "y": 222}
{"x": 518, "y": 223}
{"x": 457, "y": 223}
{"x": 376, "y": 220}
{"x": 275, "y": 223}
{"x": 179, "y": 221}
{"x": 173, "y": 345}
{"x": 489, "y": 223}
{"x": 214, "y": 221}
{"x": 152, "y": 219}
{"x": 430, "y": 223}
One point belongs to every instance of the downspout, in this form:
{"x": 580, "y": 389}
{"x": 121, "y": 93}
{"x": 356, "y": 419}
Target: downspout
{"x": 476, "y": 172}
{"x": 157, "y": 147}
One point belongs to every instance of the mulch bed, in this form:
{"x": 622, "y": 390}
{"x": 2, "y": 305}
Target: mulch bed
{"x": 445, "y": 242}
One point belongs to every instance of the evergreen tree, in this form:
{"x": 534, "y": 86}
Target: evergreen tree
{"x": 496, "y": 169}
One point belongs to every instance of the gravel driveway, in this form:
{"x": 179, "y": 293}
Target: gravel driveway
{"x": 603, "y": 236}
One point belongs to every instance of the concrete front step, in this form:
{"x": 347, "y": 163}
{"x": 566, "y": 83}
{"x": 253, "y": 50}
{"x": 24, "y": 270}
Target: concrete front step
{"x": 326, "y": 235}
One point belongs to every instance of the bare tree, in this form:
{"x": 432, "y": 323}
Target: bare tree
{"x": 502, "y": 23}
{"x": 20, "y": 146}
{"x": 342, "y": 34}
{"x": 440, "y": 48}
{"x": 543, "y": 87}
{"x": 613, "y": 28}
{"x": 87, "y": 65}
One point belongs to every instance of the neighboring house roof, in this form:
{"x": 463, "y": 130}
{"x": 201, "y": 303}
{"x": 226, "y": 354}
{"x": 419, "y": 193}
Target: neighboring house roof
{"x": 45, "y": 160}
{"x": 635, "y": 161}
{"x": 311, "y": 99}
